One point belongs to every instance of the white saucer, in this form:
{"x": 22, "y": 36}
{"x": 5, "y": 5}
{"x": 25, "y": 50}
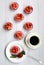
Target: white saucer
{"x": 29, "y": 44}
{"x": 8, "y": 54}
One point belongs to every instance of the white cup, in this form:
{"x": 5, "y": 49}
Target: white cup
{"x": 34, "y": 41}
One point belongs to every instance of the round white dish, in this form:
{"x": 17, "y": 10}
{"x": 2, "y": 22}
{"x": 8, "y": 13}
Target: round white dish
{"x": 8, "y": 53}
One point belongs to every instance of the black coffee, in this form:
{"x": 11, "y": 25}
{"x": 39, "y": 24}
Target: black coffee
{"x": 34, "y": 40}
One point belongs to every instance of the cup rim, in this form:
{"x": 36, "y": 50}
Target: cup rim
{"x": 29, "y": 44}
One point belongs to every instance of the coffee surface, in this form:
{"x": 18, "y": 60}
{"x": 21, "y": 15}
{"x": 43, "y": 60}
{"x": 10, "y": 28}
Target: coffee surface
{"x": 34, "y": 40}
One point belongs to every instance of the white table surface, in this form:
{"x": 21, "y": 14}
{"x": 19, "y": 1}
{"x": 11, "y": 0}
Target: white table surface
{"x": 37, "y": 18}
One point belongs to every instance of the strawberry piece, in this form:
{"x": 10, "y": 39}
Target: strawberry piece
{"x": 28, "y": 9}
{"x": 28, "y": 26}
{"x": 8, "y": 26}
{"x": 19, "y": 17}
{"x": 19, "y": 35}
{"x": 15, "y": 49}
{"x": 14, "y": 6}
{"x": 20, "y": 55}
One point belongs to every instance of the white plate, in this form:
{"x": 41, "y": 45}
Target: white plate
{"x": 29, "y": 44}
{"x": 8, "y": 54}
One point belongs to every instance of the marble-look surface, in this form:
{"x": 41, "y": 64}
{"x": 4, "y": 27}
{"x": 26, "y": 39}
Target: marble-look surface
{"x": 37, "y": 18}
